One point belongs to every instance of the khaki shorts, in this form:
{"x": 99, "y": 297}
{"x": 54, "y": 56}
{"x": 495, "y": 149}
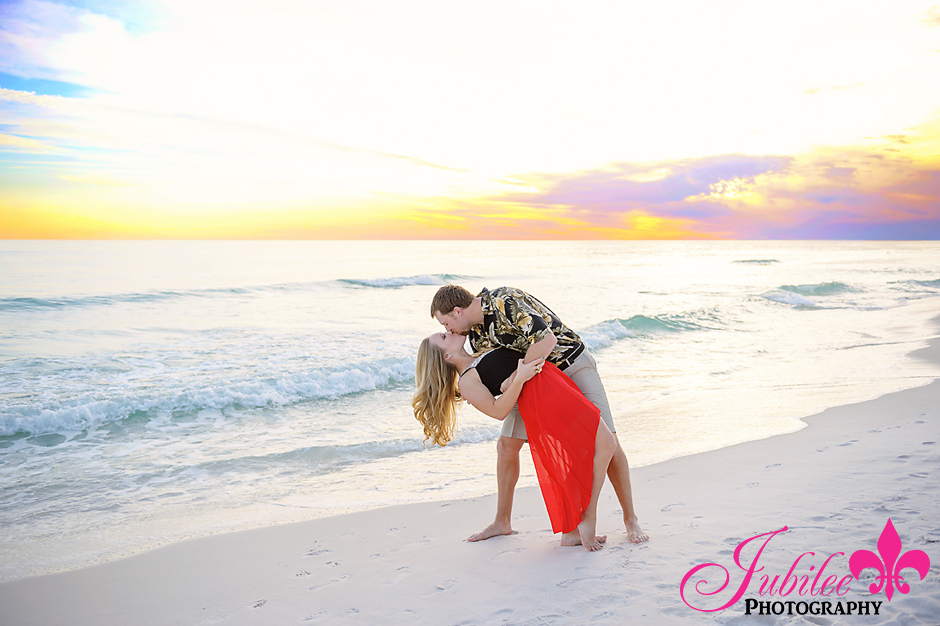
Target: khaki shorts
{"x": 584, "y": 373}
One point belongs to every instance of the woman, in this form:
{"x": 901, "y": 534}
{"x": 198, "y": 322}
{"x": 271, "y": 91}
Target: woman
{"x": 571, "y": 446}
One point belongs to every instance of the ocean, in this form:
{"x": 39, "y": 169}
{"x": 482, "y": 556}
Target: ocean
{"x": 153, "y": 391}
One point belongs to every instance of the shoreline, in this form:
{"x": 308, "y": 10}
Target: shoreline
{"x": 63, "y": 553}
{"x": 237, "y": 432}
{"x": 409, "y": 563}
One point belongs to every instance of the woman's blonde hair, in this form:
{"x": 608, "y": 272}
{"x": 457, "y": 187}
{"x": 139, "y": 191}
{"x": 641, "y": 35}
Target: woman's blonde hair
{"x": 435, "y": 401}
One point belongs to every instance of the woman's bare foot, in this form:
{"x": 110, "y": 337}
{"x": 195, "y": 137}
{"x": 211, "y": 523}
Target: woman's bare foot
{"x": 634, "y": 533}
{"x": 574, "y": 538}
{"x": 492, "y": 530}
{"x": 586, "y": 529}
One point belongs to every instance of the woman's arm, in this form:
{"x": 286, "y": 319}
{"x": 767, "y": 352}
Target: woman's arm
{"x": 475, "y": 392}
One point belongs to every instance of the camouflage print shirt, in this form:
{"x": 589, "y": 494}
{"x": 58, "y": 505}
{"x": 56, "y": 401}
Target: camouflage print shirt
{"x": 513, "y": 319}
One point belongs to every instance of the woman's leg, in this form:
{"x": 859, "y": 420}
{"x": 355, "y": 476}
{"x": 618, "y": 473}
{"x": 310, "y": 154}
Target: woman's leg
{"x": 604, "y": 445}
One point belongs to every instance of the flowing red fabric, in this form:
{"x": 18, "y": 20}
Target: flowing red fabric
{"x": 561, "y": 425}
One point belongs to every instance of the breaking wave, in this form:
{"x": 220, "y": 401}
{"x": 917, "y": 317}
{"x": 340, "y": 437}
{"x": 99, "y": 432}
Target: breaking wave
{"x": 404, "y": 281}
{"x": 111, "y": 403}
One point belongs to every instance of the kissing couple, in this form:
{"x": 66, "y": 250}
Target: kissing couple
{"x": 534, "y": 374}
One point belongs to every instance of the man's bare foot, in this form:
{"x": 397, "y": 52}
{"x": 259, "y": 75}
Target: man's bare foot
{"x": 574, "y": 538}
{"x": 634, "y": 533}
{"x": 492, "y": 530}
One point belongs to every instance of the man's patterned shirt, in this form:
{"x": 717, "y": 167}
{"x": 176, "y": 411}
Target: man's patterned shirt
{"x": 514, "y": 319}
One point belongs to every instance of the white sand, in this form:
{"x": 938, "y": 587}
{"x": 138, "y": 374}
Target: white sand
{"x": 834, "y": 484}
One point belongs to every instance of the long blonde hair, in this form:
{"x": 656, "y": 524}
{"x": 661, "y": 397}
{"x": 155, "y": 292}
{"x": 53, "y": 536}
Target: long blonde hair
{"x": 435, "y": 401}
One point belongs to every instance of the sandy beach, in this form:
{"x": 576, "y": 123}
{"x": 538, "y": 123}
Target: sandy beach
{"x": 833, "y": 484}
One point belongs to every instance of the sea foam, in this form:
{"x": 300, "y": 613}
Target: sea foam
{"x": 402, "y": 281}
{"x": 115, "y": 402}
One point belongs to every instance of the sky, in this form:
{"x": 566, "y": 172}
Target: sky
{"x": 431, "y": 119}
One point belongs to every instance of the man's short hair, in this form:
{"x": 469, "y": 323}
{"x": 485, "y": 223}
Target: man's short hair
{"x": 449, "y": 297}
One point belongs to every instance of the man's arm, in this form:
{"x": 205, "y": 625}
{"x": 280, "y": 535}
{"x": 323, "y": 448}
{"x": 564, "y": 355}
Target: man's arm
{"x": 529, "y": 323}
{"x": 541, "y": 349}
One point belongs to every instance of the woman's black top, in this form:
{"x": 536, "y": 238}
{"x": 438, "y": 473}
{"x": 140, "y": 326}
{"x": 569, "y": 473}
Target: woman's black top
{"x": 496, "y": 366}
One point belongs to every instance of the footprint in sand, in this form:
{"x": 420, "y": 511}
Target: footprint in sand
{"x": 259, "y": 604}
{"x": 668, "y": 507}
{"x": 399, "y": 576}
{"x": 505, "y": 552}
{"x": 317, "y": 551}
{"x": 929, "y": 443}
{"x": 573, "y": 582}
{"x": 444, "y": 586}
{"x": 550, "y": 618}
{"x": 319, "y": 615}
{"x": 773, "y": 465}
{"x": 331, "y": 582}
{"x": 848, "y": 443}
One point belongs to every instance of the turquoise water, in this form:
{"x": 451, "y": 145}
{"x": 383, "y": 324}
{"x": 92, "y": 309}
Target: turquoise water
{"x": 153, "y": 391}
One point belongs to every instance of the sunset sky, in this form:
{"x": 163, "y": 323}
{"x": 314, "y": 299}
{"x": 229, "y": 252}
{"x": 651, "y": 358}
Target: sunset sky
{"x": 434, "y": 119}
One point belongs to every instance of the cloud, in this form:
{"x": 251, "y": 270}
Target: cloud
{"x": 855, "y": 195}
{"x": 933, "y": 17}
{"x": 42, "y": 86}
{"x": 22, "y": 143}
{"x": 606, "y": 197}
{"x": 557, "y": 126}
{"x": 30, "y": 29}
{"x": 832, "y": 194}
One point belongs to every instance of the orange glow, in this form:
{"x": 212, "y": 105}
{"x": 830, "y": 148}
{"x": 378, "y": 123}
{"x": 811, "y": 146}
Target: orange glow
{"x": 167, "y": 132}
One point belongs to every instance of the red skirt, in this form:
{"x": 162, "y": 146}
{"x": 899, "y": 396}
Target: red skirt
{"x": 561, "y": 425}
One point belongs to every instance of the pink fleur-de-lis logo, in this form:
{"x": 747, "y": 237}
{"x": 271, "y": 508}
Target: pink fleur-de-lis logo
{"x": 889, "y": 565}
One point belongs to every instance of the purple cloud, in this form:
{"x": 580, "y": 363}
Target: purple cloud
{"x": 834, "y": 197}
{"x": 622, "y": 186}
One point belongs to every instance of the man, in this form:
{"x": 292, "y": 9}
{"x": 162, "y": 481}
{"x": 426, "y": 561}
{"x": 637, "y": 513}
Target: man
{"x": 513, "y": 319}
